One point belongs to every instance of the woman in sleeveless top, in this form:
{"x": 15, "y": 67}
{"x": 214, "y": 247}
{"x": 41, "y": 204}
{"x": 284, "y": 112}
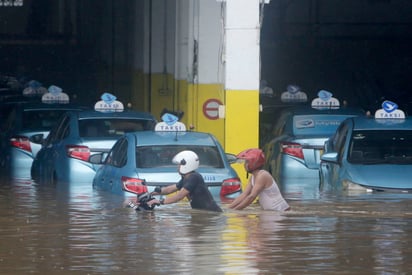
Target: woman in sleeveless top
{"x": 261, "y": 184}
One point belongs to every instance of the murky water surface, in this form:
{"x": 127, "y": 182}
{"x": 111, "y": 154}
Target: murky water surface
{"x": 56, "y": 230}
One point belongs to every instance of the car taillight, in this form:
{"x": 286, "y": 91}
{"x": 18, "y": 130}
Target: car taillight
{"x": 293, "y": 149}
{"x": 78, "y": 152}
{"x": 21, "y": 142}
{"x": 230, "y": 186}
{"x": 133, "y": 185}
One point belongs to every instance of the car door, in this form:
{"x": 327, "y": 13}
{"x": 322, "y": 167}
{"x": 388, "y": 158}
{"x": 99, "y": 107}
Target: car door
{"x": 272, "y": 148}
{"x": 53, "y": 148}
{"x": 108, "y": 177}
{"x": 332, "y": 171}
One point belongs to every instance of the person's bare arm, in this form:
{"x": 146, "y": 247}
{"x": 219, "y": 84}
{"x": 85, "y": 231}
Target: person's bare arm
{"x": 168, "y": 189}
{"x": 172, "y": 199}
{"x": 260, "y": 184}
{"x": 177, "y": 197}
{"x": 241, "y": 197}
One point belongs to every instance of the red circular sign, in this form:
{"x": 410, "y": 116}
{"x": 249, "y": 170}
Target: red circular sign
{"x": 211, "y": 108}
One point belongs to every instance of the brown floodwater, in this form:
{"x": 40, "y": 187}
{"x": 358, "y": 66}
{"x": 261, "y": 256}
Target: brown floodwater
{"x": 78, "y": 230}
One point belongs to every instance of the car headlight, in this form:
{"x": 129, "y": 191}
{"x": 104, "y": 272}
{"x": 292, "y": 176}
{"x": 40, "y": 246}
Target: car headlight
{"x": 353, "y": 186}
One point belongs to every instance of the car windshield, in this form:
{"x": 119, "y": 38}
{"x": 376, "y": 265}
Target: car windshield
{"x": 324, "y": 125}
{"x": 378, "y": 146}
{"x": 108, "y": 127}
{"x": 41, "y": 119}
{"x": 162, "y": 155}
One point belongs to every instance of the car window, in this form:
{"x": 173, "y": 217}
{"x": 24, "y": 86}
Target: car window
{"x": 340, "y": 145}
{"x": 325, "y": 125}
{"x": 162, "y": 155}
{"x": 118, "y": 155}
{"x": 111, "y": 127}
{"x": 378, "y": 146}
{"x": 40, "y": 119}
{"x": 11, "y": 121}
{"x": 65, "y": 129}
{"x": 279, "y": 128}
{"x": 339, "y": 138}
{"x": 60, "y": 130}
{"x": 5, "y": 112}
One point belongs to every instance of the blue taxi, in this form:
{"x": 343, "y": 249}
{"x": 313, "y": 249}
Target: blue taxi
{"x": 145, "y": 158}
{"x": 64, "y": 155}
{"x": 370, "y": 153}
{"x": 293, "y": 154}
{"x": 25, "y": 122}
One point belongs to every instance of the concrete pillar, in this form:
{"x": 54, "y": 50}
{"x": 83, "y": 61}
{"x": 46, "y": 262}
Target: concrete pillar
{"x": 209, "y": 53}
{"x": 241, "y": 59}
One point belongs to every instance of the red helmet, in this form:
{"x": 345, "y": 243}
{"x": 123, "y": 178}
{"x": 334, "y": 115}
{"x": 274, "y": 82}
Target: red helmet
{"x": 254, "y": 157}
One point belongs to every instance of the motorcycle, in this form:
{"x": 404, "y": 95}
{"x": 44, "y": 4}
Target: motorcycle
{"x": 143, "y": 196}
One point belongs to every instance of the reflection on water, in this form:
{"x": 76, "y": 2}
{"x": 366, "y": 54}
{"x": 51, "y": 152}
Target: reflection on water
{"x": 69, "y": 229}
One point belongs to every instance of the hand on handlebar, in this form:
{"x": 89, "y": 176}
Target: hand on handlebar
{"x": 157, "y": 191}
{"x": 154, "y": 202}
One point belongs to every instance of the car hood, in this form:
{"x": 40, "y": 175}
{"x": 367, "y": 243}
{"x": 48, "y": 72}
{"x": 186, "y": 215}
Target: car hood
{"x": 165, "y": 176}
{"x": 382, "y": 176}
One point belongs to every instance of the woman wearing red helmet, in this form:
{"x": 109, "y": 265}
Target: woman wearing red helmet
{"x": 261, "y": 183}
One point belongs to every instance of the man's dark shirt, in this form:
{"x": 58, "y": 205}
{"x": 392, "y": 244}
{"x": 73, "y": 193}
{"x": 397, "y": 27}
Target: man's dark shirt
{"x": 200, "y": 196}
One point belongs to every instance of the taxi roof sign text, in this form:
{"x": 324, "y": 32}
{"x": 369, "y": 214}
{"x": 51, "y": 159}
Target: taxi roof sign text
{"x": 108, "y": 104}
{"x": 170, "y": 123}
{"x": 390, "y": 110}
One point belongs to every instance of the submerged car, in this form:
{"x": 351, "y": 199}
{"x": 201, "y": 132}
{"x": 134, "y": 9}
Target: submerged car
{"x": 145, "y": 158}
{"x": 25, "y": 123}
{"x": 370, "y": 153}
{"x": 78, "y": 135}
{"x": 293, "y": 155}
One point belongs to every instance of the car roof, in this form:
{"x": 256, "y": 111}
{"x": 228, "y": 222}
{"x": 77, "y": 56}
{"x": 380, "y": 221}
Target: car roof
{"x": 18, "y": 98}
{"x": 145, "y": 138}
{"x": 370, "y": 123}
{"x": 86, "y": 114}
{"x": 287, "y": 124}
{"x": 30, "y": 105}
{"x": 305, "y": 110}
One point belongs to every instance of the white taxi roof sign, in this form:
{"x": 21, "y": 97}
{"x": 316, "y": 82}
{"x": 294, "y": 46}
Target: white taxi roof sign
{"x": 55, "y": 95}
{"x": 34, "y": 88}
{"x": 108, "y": 104}
{"x": 325, "y": 100}
{"x": 390, "y": 110}
{"x": 170, "y": 123}
{"x": 293, "y": 94}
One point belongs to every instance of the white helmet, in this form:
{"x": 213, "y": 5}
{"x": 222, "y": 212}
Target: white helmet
{"x": 188, "y": 161}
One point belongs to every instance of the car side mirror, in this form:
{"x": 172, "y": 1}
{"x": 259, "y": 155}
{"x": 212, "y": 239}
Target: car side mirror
{"x": 38, "y": 138}
{"x": 330, "y": 157}
{"x": 231, "y": 158}
{"x": 96, "y": 158}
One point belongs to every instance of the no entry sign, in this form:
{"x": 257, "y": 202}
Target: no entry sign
{"x": 211, "y": 108}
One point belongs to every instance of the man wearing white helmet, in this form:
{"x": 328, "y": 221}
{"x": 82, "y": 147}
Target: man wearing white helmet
{"x": 191, "y": 185}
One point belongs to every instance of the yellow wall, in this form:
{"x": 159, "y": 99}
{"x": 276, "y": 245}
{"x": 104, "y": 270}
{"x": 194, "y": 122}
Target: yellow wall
{"x": 242, "y": 124}
{"x": 139, "y": 96}
{"x": 237, "y": 131}
{"x": 189, "y": 98}
{"x": 242, "y": 119}
{"x": 199, "y": 94}
{"x": 162, "y": 93}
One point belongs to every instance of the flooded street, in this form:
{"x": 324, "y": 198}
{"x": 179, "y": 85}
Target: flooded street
{"x": 55, "y": 230}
